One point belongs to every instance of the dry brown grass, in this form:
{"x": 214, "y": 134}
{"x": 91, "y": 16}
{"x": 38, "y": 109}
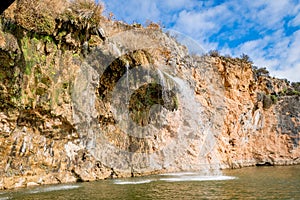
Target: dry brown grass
{"x": 87, "y": 9}
{"x": 39, "y": 15}
{"x": 153, "y": 25}
{"x": 86, "y": 13}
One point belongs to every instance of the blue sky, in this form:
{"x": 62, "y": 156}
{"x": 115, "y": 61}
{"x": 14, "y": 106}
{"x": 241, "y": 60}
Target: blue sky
{"x": 266, "y": 30}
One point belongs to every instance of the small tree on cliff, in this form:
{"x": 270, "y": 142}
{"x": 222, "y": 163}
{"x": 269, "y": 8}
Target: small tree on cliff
{"x": 245, "y": 58}
{"x": 214, "y": 53}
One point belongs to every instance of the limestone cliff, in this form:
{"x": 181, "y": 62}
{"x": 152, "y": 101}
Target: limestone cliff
{"x": 86, "y": 98}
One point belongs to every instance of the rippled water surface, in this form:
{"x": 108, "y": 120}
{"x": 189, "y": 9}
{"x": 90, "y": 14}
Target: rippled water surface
{"x": 246, "y": 183}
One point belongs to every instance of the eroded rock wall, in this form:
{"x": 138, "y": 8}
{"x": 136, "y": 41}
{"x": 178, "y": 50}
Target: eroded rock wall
{"x": 261, "y": 125}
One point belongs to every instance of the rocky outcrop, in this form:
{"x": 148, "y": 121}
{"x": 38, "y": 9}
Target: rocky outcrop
{"x": 262, "y": 123}
{"x": 85, "y": 98}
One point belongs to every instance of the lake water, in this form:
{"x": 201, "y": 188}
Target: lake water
{"x": 246, "y": 183}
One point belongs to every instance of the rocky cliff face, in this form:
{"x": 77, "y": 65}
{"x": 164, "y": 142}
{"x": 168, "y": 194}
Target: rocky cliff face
{"x": 86, "y": 98}
{"x": 262, "y": 120}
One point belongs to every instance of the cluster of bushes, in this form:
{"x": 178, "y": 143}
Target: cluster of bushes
{"x": 41, "y": 16}
{"x": 290, "y": 91}
{"x": 152, "y": 25}
{"x": 243, "y": 58}
{"x": 267, "y": 100}
{"x": 214, "y": 53}
{"x": 260, "y": 71}
{"x": 296, "y": 86}
{"x": 38, "y": 16}
{"x": 84, "y": 13}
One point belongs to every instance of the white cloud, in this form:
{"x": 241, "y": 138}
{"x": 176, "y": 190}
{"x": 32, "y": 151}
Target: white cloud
{"x": 294, "y": 49}
{"x": 203, "y": 23}
{"x": 295, "y": 21}
{"x": 194, "y": 23}
{"x": 279, "y": 53}
{"x": 272, "y": 14}
{"x": 289, "y": 61}
{"x": 256, "y": 51}
{"x": 133, "y": 10}
{"x": 178, "y": 4}
{"x": 291, "y": 73}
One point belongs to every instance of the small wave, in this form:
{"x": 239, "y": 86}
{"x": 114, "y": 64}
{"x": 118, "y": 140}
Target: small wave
{"x": 53, "y": 188}
{"x": 5, "y": 198}
{"x": 198, "y": 178}
{"x": 131, "y": 182}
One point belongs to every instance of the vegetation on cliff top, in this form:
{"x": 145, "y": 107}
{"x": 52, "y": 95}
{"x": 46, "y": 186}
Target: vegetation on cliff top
{"x": 45, "y": 17}
{"x": 292, "y": 89}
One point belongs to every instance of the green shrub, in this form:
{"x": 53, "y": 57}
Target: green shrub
{"x": 267, "y": 101}
{"x": 290, "y": 91}
{"x": 261, "y": 71}
{"x": 274, "y": 98}
{"x": 296, "y": 86}
{"x": 245, "y": 58}
{"x": 214, "y": 53}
